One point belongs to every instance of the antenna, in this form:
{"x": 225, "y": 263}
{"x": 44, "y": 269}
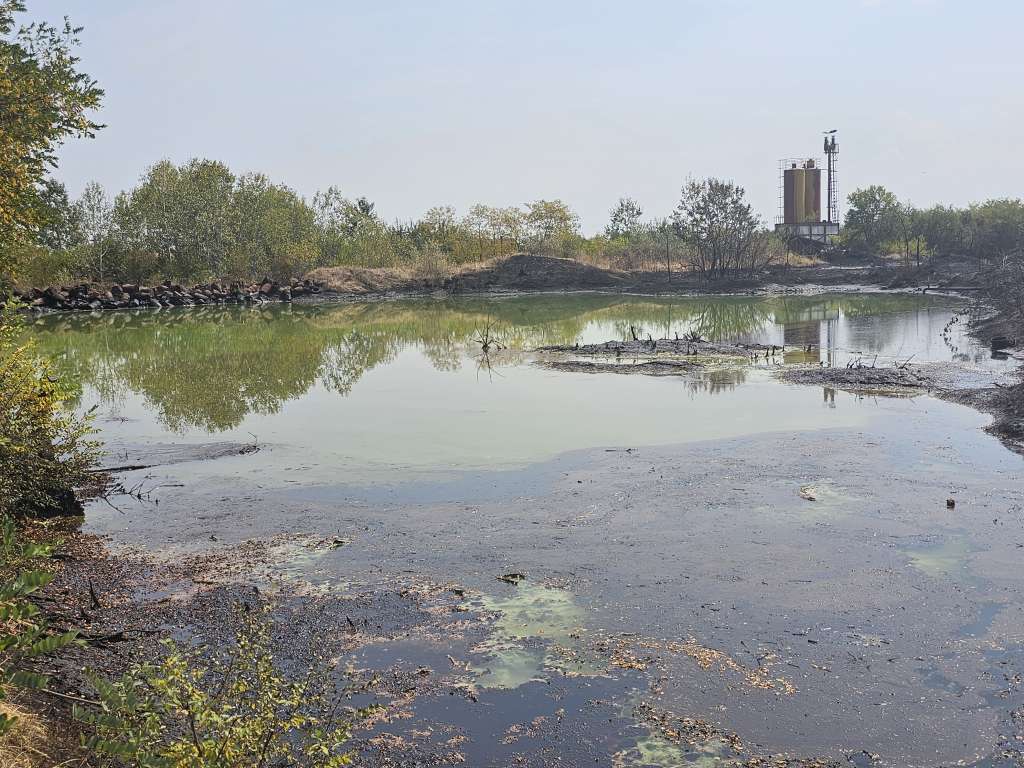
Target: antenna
{"x": 832, "y": 153}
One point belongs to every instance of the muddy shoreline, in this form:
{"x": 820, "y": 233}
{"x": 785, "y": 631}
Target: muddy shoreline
{"x": 517, "y": 274}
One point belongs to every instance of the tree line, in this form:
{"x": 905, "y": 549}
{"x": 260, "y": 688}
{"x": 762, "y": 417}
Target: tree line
{"x": 877, "y": 223}
{"x": 200, "y": 220}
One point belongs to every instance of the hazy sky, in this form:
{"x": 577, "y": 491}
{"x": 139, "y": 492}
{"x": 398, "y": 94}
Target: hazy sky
{"x": 415, "y": 104}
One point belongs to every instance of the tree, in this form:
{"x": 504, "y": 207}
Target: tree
{"x": 182, "y": 215}
{"x": 61, "y": 225}
{"x": 272, "y": 230}
{"x": 44, "y": 99}
{"x": 720, "y": 228}
{"x": 96, "y": 215}
{"x": 440, "y": 220}
{"x": 873, "y": 219}
{"x": 625, "y": 219}
{"x": 552, "y": 226}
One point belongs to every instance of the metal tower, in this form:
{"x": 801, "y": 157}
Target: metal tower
{"x": 832, "y": 153}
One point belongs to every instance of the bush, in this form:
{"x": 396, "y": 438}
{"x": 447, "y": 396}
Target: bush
{"x": 232, "y": 711}
{"x": 38, "y": 266}
{"x": 23, "y": 634}
{"x": 45, "y": 453}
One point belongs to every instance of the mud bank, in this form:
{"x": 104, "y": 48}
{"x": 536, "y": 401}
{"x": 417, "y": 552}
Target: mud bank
{"x": 679, "y": 603}
{"x": 519, "y": 273}
{"x": 525, "y": 273}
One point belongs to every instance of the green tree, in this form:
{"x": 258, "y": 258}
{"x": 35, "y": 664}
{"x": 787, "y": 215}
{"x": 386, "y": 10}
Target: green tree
{"x": 873, "y": 220}
{"x": 272, "y": 230}
{"x": 721, "y": 230}
{"x": 44, "y": 99}
{"x": 181, "y": 214}
{"x": 61, "y": 226}
{"x": 552, "y": 227}
{"x": 625, "y": 219}
{"x": 96, "y": 221}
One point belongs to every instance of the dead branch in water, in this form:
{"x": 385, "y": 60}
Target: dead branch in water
{"x": 487, "y": 339}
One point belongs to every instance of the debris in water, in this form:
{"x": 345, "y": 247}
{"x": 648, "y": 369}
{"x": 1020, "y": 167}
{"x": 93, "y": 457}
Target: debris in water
{"x": 512, "y": 578}
{"x": 808, "y": 492}
{"x": 950, "y": 503}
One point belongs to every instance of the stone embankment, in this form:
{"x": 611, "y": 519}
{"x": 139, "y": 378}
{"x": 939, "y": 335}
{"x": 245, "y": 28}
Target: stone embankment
{"x": 91, "y": 297}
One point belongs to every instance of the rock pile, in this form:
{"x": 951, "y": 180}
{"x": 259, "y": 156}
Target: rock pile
{"x": 91, "y": 297}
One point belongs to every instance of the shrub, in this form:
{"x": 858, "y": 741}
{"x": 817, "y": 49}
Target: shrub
{"x": 23, "y": 634}
{"x": 45, "y": 452}
{"x": 196, "y": 710}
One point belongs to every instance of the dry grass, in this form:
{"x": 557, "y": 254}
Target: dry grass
{"x": 798, "y": 260}
{"x": 37, "y": 742}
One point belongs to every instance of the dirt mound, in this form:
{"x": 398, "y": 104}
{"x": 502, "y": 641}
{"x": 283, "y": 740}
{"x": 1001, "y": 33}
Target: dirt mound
{"x": 359, "y": 281}
{"x": 862, "y": 378}
{"x": 523, "y": 272}
{"x": 649, "y": 368}
{"x": 643, "y": 347}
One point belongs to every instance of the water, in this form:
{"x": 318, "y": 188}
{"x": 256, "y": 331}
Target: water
{"x": 673, "y": 565}
{"x": 399, "y": 390}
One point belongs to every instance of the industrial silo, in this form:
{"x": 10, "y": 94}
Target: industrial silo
{"x": 812, "y": 193}
{"x": 802, "y": 193}
{"x": 794, "y": 194}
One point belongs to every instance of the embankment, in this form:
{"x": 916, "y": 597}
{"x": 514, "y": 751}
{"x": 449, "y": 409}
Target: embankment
{"x": 519, "y": 273}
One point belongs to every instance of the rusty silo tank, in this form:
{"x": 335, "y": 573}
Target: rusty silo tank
{"x": 802, "y": 193}
{"x": 812, "y": 192}
{"x": 793, "y": 182}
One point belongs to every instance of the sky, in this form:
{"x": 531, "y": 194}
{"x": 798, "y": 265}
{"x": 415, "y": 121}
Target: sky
{"x": 453, "y": 102}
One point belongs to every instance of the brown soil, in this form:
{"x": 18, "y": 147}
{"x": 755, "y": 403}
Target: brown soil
{"x": 363, "y": 281}
{"x": 643, "y": 347}
{"x": 524, "y": 272}
{"x": 649, "y": 368}
{"x": 860, "y": 379}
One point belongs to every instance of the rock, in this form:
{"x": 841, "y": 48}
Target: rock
{"x": 266, "y": 289}
{"x": 286, "y": 294}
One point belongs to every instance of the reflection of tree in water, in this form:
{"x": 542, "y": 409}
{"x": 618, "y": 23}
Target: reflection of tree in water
{"x": 342, "y": 363}
{"x": 210, "y": 367}
{"x": 717, "y": 381}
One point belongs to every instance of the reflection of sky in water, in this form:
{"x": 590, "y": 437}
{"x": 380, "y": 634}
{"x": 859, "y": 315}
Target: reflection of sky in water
{"x": 356, "y": 393}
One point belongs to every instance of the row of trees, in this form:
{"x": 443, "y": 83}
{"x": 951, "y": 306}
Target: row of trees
{"x": 200, "y": 220}
{"x": 877, "y": 222}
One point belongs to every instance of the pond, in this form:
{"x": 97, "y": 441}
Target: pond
{"x": 395, "y": 390}
{"x": 672, "y": 565}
